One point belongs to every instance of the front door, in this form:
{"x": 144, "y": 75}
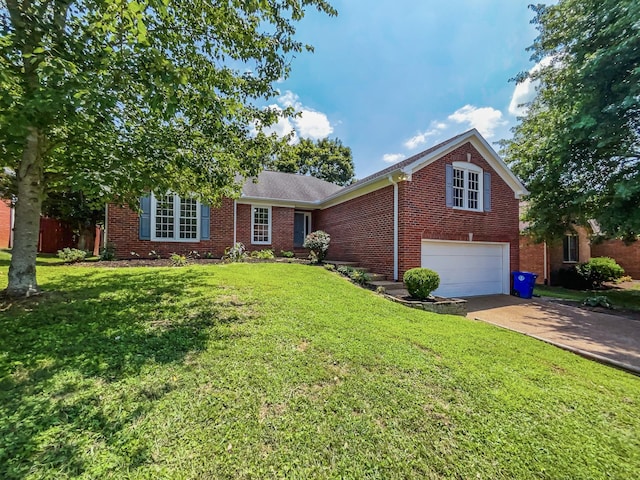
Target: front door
{"x": 301, "y": 227}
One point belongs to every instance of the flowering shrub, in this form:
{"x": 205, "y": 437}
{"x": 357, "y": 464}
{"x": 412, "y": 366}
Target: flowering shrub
{"x": 237, "y": 253}
{"x": 318, "y": 244}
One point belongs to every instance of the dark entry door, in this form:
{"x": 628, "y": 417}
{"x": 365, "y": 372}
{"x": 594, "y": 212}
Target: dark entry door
{"x": 299, "y": 228}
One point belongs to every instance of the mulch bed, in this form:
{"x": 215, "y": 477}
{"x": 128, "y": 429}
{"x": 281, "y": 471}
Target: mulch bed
{"x": 165, "y": 262}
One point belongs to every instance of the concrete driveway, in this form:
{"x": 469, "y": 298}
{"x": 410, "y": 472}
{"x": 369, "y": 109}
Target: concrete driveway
{"x": 603, "y": 337}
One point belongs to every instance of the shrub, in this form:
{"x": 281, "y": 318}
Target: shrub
{"x": 318, "y": 244}
{"x": 287, "y": 254}
{"x": 421, "y": 282}
{"x": 604, "y": 269}
{"x": 108, "y": 252}
{"x": 345, "y": 270}
{"x": 591, "y": 274}
{"x": 329, "y": 266}
{"x": 237, "y": 253}
{"x": 71, "y": 255}
{"x": 208, "y": 255}
{"x": 359, "y": 277}
{"x": 263, "y": 254}
{"x": 155, "y": 255}
{"x": 598, "y": 301}
{"x": 178, "y": 260}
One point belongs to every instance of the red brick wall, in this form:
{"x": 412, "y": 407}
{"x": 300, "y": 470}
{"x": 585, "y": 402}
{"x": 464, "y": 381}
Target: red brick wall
{"x": 556, "y": 252}
{"x": 122, "y": 231}
{"x": 361, "y": 230}
{"x": 424, "y": 215}
{"x": 281, "y": 229}
{"x": 627, "y": 256}
{"x": 5, "y": 224}
{"x": 532, "y": 258}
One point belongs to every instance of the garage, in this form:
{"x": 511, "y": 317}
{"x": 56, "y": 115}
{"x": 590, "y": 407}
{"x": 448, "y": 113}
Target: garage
{"x": 468, "y": 268}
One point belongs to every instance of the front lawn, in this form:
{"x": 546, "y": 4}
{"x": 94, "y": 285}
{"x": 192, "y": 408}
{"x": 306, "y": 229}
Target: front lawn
{"x": 284, "y": 370}
{"x": 628, "y": 298}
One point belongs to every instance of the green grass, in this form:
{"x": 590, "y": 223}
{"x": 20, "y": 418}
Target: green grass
{"x": 285, "y": 370}
{"x": 626, "y": 299}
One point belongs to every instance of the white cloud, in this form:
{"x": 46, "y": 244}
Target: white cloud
{"x": 485, "y": 119}
{"x": 422, "y": 138}
{"x": 393, "y": 157}
{"x": 308, "y": 124}
{"x": 526, "y": 91}
{"x": 282, "y": 127}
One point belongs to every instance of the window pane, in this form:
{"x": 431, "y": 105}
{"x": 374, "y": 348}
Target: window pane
{"x": 164, "y": 216}
{"x": 188, "y": 218}
{"x": 261, "y": 225}
{"x": 474, "y": 190}
{"x": 458, "y": 187}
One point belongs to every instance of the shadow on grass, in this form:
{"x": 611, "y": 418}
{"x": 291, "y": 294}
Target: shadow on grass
{"x": 62, "y": 353}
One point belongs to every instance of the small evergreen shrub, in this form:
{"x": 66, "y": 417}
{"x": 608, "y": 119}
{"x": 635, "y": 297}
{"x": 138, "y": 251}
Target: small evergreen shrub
{"x": 603, "y": 269}
{"x": 265, "y": 254}
{"x": 287, "y": 254}
{"x": 237, "y": 253}
{"x": 318, "y": 244}
{"x": 108, "y": 252}
{"x": 71, "y": 255}
{"x": 421, "y": 282}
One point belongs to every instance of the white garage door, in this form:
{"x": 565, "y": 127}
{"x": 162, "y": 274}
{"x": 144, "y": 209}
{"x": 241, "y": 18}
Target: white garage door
{"x": 468, "y": 268}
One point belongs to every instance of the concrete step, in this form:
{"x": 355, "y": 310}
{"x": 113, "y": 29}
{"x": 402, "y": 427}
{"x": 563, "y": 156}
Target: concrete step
{"x": 388, "y": 285}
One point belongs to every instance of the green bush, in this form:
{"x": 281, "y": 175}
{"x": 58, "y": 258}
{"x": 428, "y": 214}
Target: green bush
{"x": 604, "y": 269}
{"x": 287, "y": 254}
{"x": 421, "y": 282}
{"x": 329, "y": 266}
{"x": 359, "y": 277}
{"x": 178, "y": 260}
{"x": 71, "y": 255}
{"x": 108, "y": 252}
{"x": 318, "y": 244}
{"x": 265, "y": 254}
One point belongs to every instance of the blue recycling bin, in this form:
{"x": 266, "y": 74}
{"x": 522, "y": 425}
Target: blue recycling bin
{"x": 523, "y": 283}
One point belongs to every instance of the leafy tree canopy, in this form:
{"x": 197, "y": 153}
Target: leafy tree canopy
{"x": 577, "y": 148}
{"x": 326, "y": 158}
{"x": 116, "y": 97}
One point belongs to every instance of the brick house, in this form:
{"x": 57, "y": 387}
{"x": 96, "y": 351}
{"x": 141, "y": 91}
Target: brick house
{"x": 452, "y": 208}
{"x": 576, "y": 247}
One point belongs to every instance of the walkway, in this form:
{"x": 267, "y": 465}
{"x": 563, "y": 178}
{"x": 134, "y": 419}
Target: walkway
{"x": 600, "y": 336}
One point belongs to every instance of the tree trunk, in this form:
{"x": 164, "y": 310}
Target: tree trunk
{"x": 22, "y": 271}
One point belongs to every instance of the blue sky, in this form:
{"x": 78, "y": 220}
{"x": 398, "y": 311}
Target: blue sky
{"x": 391, "y": 78}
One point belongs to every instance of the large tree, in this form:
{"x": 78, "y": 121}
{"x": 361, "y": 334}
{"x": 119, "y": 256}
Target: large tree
{"x": 326, "y": 158}
{"x": 121, "y": 96}
{"x": 577, "y": 148}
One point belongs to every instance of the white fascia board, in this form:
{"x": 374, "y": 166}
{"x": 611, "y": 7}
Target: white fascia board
{"x": 277, "y": 202}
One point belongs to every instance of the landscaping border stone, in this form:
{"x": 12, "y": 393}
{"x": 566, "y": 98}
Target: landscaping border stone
{"x": 443, "y": 306}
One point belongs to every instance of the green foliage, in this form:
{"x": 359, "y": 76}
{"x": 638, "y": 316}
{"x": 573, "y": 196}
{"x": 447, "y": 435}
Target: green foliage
{"x": 265, "y": 254}
{"x": 345, "y": 270}
{"x": 208, "y": 255}
{"x": 287, "y": 254}
{"x": 108, "y": 252}
{"x": 598, "y": 301}
{"x": 359, "y": 276}
{"x": 577, "y": 147}
{"x": 147, "y": 372}
{"x": 237, "y": 253}
{"x": 178, "y": 260}
{"x": 327, "y": 159}
{"x": 155, "y": 255}
{"x": 421, "y": 282}
{"x": 117, "y": 98}
{"x": 590, "y": 275}
{"x": 318, "y": 244}
{"x": 330, "y": 267}
{"x": 71, "y": 255}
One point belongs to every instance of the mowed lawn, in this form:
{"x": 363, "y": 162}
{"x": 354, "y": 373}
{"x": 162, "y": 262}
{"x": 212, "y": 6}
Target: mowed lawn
{"x": 284, "y": 370}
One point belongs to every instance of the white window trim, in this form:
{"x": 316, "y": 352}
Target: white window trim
{"x": 176, "y": 222}
{"x": 467, "y": 167}
{"x": 253, "y": 224}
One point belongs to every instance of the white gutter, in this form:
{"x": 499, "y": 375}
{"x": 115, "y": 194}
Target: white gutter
{"x": 395, "y": 228}
{"x": 235, "y": 220}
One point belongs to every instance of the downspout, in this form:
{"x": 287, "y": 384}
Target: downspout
{"x": 395, "y": 228}
{"x": 235, "y": 221}
{"x": 106, "y": 222}
{"x": 546, "y": 280}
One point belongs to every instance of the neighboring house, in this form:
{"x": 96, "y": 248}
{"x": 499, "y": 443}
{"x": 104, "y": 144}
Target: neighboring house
{"x": 452, "y": 208}
{"x": 576, "y": 247}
